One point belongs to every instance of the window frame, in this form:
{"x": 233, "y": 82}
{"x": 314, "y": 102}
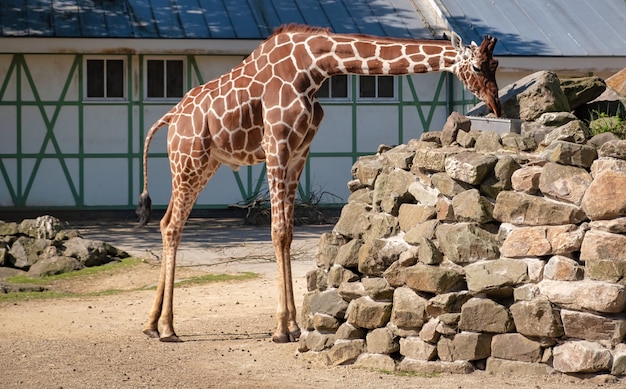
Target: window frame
{"x": 105, "y": 59}
{"x": 376, "y": 96}
{"x": 338, "y": 99}
{"x": 164, "y": 59}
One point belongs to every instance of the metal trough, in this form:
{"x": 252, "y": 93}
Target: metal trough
{"x": 501, "y": 126}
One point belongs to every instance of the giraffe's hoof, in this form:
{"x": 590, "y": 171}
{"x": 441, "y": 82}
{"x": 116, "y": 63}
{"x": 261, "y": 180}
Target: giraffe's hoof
{"x": 151, "y": 333}
{"x": 281, "y": 338}
{"x": 171, "y": 339}
{"x": 292, "y": 336}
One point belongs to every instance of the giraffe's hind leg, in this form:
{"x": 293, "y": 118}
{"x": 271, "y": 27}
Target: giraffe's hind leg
{"x": 188, "y": 180}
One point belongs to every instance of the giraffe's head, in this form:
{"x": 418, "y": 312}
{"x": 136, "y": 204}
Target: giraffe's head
{"x": 476, "y": 67}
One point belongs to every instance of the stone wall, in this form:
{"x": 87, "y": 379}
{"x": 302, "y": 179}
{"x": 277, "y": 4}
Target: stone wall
{"x": 469, "y": 250}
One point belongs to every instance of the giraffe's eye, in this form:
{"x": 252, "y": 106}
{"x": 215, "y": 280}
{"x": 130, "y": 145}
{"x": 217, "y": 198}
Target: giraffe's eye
{"x": 475, "y": 68}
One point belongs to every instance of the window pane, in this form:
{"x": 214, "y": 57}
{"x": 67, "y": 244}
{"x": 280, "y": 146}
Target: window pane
{"x": 115, "y": 78}
{"x": 324, "y": 91}
{"x": 95, "y": 78}
{"x": 339, "y": 86}
{"x": 156, "y": 73}
{"x": 367, "y": 86}
{"x": 175, "y": 78}
{"x": 385, "y": 86}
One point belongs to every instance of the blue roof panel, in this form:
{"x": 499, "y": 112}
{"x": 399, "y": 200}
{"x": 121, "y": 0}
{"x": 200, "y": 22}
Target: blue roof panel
{"x": 218, "y": 20}
{"x": 523, "y": 27}
{"x": 542, "y": 27}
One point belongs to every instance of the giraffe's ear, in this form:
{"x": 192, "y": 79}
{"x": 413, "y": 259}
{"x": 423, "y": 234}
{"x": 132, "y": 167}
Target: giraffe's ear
{"x": 457, "y": 42}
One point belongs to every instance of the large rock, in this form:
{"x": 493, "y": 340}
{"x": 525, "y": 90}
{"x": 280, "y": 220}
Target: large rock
{"x": 465, "y": 243}
{"x": 328, "y": 302}
{"x": 526, "y": 179}
{"x": 607, "y": 185}
{"x": 604, "y": 255}
{"x": 409, "y": 309}
{"x": 53, "y": 265}
{"x": 465, "y": 346}
{"x": 470, "y": 206}
{"x": 455, "y": 123}
{"x": 568, "y": 153}
{"x": 564, "y": 183}
{"x": 431, "y": 279}
{"x": 353, "y": 220}
{"x": 517, "y": 368}
{"x": 367, "y": 313}
{"x": 393, "y": 185}
{"x": 470, "y": 167}
{"x": 375, "y": 256}
{"x": 447, "y": 185}
{"x": 543, "y": 240}
{"x": 485, "y": 315}
{"x": 581, "y": 356}
{"x": 379, "y": 225}
{"x": 327, "y": 249}
{"x": 347, "y": 255}
{"x": 516, "y": 347}
{"x": 381, "y": 362}
{"x": 581, "y": 90}
{"x": 400, "y": 157}
{"x": 501, "y": 178}
{"x": 345, "y": 352}
{"x": 574, "y": 132}
{"x": 423, "y": 193}
{"x": 523, "y": 209}
{"x": 530, "y": 97}
{"x": 607, "y": 330}
{"x": 43, "y": 227}
{"x": 585, "y": 295}
{"x": 381, "y": 341}
{"x": 613, "y": 149}
{"x": 537, "y": 318}
{"x": 410, "y": 215}
{"x": 415, "y": 348}
{"x": 25, "y": 251}
{"x": 367, "y": 168}
{"x": 430, "y": 368}
{"x": 561, "y": 268}
{"x": 489, "y": 276}
{"x": 434, "y": 159}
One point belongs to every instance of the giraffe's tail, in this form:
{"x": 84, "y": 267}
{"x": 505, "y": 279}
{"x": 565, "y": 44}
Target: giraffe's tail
{"x": 144, "y": 204}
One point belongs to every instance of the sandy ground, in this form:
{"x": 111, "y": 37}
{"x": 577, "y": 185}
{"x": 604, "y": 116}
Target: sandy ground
{"x": 96, "y": 342}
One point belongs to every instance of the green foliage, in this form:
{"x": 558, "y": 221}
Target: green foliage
{"x": 601, "y": 122}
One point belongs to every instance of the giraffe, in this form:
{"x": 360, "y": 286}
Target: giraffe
{"x": 266, "y": 110}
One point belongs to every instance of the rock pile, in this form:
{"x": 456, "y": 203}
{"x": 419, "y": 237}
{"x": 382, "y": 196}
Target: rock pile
{"x": 467, "y": 249}
{"x": 42, "y": 247}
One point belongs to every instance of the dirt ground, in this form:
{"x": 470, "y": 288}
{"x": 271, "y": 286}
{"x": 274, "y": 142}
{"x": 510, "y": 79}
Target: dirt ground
{"x": 96, "y": 342}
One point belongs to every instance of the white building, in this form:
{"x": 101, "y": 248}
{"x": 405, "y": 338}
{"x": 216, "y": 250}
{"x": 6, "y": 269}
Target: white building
{"x": 81, "y": 84}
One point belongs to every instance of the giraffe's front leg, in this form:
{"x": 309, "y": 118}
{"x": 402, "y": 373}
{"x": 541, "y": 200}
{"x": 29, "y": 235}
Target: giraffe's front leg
{"x": 161, "y": 315}
{"x": 287, "y": 329}
{"x": 152, "y": 328}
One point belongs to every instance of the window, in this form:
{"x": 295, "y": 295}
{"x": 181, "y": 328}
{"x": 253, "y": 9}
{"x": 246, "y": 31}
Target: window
{"x": 105, "y": 78}
{"x": 165, "y": 78}
{"x": 381, "y": 87}
{"x": 335, "y": 87}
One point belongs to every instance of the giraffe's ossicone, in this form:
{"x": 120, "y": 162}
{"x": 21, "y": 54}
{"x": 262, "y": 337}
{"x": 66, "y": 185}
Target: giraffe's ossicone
{"x": 266, "y": 110}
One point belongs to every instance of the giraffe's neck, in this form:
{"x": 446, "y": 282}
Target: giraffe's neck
{"x": 347, "y": 54}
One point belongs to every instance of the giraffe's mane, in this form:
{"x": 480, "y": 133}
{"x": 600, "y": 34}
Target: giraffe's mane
{"x": 303, "y": 28}
{"x": 294, "y": 27}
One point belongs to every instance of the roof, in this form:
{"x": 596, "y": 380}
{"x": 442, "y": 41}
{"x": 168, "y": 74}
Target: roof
{"x": 551, "y": 28}
{"x": 542, "y": 27}
{"x": 205, "y": 19}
